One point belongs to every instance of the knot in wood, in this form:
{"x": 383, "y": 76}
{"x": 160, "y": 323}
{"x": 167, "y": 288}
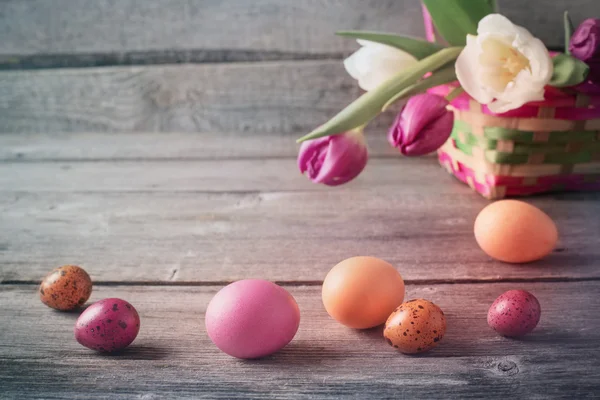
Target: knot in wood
{"x": 508, "y": 368}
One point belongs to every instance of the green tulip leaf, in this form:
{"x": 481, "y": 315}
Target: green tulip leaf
{"x": 568, "y": 71}
{"x": 369, "y": 105}
{"x": 416, "y": 47}
{"x": 455, "y": 19}
{"x": 568, "y": 31}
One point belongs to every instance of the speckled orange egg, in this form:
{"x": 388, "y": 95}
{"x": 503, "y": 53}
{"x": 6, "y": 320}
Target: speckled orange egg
{"x": 361, "y": 292}
{"x": 416, "y": 326}
{"x": 66, "y": 288}
{"x": 515, "y": 232}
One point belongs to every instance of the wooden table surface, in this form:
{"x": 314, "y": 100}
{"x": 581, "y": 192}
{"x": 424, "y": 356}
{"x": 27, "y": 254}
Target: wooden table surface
{"x": 153, "y": 143}
{"x": 164, "y": 221}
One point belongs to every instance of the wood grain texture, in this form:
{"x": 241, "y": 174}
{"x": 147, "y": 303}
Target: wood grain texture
{"x": 89, "y": 32}
{"x": 278, "y": 97}
{"x": 544, "y": 18}
{"x": 308, "y": 26}
{"x": 81, "y": 146}
{"x": 234, "y": 175}
{"x": 173, "y": 357}
{"x": 196, "y": 208}
{"x": 179, "y": 222}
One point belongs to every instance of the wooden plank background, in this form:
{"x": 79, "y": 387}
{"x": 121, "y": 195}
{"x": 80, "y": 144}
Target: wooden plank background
{"x": 277, "y": 96}
{"x": 222, "y": 27}
{"x": 272, "y": 97}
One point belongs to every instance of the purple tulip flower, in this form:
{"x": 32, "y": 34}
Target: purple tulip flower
{"x": 585, "y": 42}
{"x": 334, "y": 160}
{"x": 422, "y": 126}
{"x": 585, "y": 45}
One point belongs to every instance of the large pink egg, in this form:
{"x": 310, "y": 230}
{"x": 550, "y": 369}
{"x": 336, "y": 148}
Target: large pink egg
{"x": 252, "y": 318}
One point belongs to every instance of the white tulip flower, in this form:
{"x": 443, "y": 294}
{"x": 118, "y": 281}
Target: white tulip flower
{"x": 504, "y": 66}
{"x": 375, "y": 63}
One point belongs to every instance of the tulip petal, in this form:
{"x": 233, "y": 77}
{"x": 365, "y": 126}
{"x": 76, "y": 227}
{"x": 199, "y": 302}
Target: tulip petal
{"x": 539, "y": 60}
{"x": 585, "y": 41}
{"x": 346, "y": 158}
{"x": 375, "y": 63}
{"x": 343, "y": 163}
{"x": 504, "y": 66}
{"x": 467, "y": 71}
{"x": 309, "y": 154}
{"x": 494, "y": 24}
{"x": 423, "y": 125}
{"x": 351, "y": 62}
{"x": 333, "y": 160}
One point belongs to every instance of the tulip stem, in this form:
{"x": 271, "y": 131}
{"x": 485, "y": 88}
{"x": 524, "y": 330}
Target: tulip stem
{"x": 455, "y": 93}
{"x": 444, "y": 75}
{"x": 369, "y": 105}
{"x": 568, "y": 31}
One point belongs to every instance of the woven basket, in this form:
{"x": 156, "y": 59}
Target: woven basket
{"x": 546, "y": 146}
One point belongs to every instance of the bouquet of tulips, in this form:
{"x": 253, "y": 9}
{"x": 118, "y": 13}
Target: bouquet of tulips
{"x": 469, "y": 47}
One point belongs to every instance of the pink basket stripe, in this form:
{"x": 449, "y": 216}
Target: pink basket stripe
{"x": 464, "y": 174}
{"x": 514, "y": 186}
{"x": 564, "y": 105}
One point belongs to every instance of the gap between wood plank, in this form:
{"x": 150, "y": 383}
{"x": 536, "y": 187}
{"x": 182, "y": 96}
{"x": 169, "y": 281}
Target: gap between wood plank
{"x": 154, "y": 57}
{"x": 414, "y": 282}
{"x": 20, "y": 160}
{"x": 11, "y": 62}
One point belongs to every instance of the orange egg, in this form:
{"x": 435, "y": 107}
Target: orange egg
{"x": 515, "y": 232}
{"x": 361, "y": 292}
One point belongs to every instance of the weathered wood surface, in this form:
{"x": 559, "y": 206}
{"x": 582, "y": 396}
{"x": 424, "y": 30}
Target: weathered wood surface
{"x": 51, "y": 33}
{"x": 89, "y": 26}
{"x": 228, "y": 175}
{"x": 163, "y": 220}
{"x": 192, "y": 236}
{"x": 271, "y": 97}
{"x": 88, "y": 146}
{"x": 173, "y": 357}
{"x": 148, "y": 211}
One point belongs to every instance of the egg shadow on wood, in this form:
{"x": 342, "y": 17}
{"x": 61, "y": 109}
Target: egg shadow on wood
{"x": 560, "y": 258}
{"x": 299, "y": 353}
{"x": 460, "y": 338}
{"x": 138, "y": 352}
{"x": 72, "y": 314}
{"x": 371, "y": 333}
{"x": 548, "y": 336}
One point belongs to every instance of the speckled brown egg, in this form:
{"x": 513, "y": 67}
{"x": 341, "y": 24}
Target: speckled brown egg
{"x": 66, "y": 288}
{"x": 416, "y": 326}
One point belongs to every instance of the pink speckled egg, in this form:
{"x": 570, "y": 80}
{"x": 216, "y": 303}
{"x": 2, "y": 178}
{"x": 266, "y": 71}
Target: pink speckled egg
{"x": 107, "y": 325}
{"x": 252, "y": 318}
{"x": 515, "y": 313}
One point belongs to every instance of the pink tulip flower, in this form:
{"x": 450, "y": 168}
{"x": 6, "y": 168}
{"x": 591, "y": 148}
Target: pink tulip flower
{"x": 334, "y": 160}
{"x": 422, "y": 126}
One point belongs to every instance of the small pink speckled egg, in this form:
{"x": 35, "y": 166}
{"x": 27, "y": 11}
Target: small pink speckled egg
{"x": 252, "y": 318}
{"x": 515, "y": 313}
{"x": 107, "y": 325}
